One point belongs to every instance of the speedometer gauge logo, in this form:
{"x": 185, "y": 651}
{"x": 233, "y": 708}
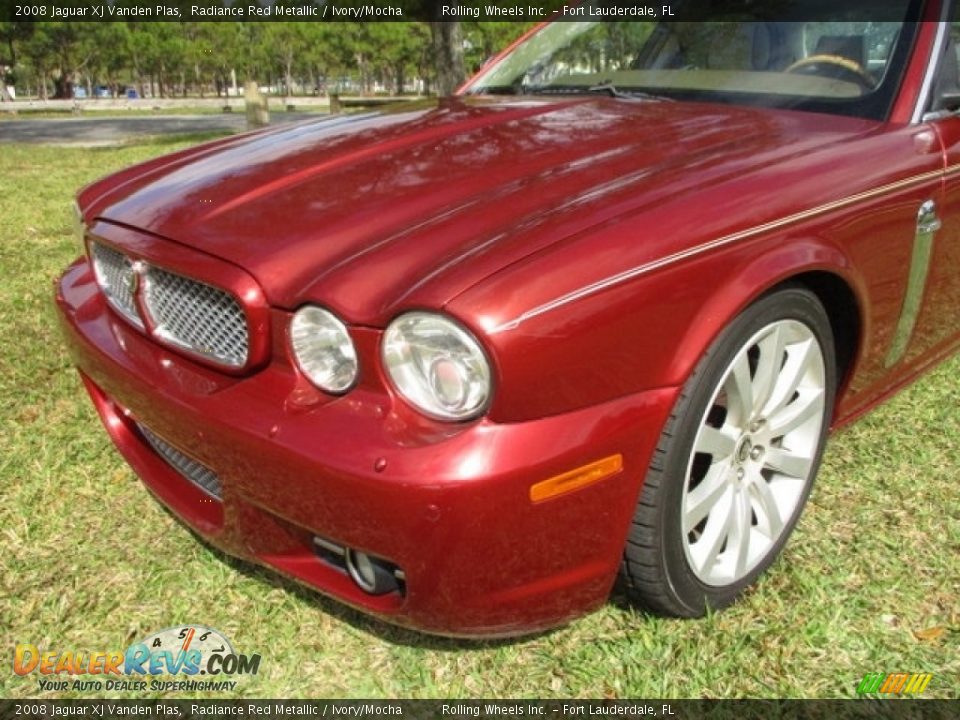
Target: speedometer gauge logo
{"x": 190, "y": 650}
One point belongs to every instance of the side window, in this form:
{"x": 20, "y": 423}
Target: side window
{"x": 946, "y": 86}
{"x": 955, "y": 41}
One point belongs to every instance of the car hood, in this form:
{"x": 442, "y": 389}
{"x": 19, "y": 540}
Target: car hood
{"x": 409, "y": 207}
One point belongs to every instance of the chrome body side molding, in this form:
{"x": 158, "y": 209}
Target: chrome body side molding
{"x": 927, "y": 225}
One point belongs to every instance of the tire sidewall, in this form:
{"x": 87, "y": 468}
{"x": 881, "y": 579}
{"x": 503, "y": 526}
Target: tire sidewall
{"x": 786, "y": 304}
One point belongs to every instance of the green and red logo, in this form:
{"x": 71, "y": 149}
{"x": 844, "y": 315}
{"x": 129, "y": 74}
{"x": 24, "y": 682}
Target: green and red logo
{"x": 897, "y": 683}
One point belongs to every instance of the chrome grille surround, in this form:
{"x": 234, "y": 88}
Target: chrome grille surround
{"x": 191, "y": 470}
{"x": 188, "y": 314}
{"x": 117, "y": 279}
{"x": 196, "y": 317}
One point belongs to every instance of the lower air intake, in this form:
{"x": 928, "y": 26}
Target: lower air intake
{"x": 198, "y": 474}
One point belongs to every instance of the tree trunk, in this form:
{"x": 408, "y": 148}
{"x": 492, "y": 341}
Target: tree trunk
{"x": 62, "y": 87}
{"x": 448, "y": 56}
{"x": 12, "y": 52}
{"x": 12, "y": 57}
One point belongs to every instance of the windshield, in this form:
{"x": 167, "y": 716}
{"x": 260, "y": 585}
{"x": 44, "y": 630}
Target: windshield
{"x": 846, "y": 61}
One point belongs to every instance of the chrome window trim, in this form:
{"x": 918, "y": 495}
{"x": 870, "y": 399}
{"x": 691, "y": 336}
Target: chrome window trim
{"x": 933, "y": 63}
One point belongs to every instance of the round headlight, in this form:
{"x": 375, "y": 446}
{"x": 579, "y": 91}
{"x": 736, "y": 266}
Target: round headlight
{"x": 323, "y": 349}
{"x": 437, "y": 365}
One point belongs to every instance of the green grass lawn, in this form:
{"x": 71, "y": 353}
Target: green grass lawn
{"x": 869, "y": 583}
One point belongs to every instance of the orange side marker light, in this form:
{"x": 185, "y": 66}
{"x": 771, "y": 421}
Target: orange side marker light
{"x": 577, "y": 478}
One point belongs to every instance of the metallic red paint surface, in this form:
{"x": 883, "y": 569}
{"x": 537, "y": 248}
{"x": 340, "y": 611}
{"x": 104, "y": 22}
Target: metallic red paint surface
{"x": 595, "y": 247}
{"x": 447, "y": 507}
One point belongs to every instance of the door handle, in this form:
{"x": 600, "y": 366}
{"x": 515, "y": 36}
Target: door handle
{"x": 927, "y": 220}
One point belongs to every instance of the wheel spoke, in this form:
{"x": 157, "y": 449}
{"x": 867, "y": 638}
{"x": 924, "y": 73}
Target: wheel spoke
{"x": 799, "y": 357}
{"x": 705, "y": 496}
{"x": 739, "y": 387}
{"x": 706, "y": 549}
{"x": 715, "y": 442}
{"x": 765, "y": 505}
{"x": 789, "y": 463}
{"x": 771, "y": 348}
{"x": 808, "y": 405}
{"x": 743, "y": 516}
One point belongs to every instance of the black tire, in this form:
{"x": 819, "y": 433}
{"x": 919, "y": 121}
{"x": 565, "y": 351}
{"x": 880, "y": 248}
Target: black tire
{"x": 657, "y": 569}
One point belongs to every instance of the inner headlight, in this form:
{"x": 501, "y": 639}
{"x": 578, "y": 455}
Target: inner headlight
{"x": 323, "y": 349}
{"x": 437, "y": 365}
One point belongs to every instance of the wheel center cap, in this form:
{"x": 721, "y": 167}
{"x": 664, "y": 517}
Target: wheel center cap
{"x": 743, "y": 451}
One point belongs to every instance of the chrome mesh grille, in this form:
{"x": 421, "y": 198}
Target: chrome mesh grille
{"x": 187, "y": 313}
{"x": 116, "y": 278}
{"x": 196, "y": 317}
{"x": 198, "y": 474}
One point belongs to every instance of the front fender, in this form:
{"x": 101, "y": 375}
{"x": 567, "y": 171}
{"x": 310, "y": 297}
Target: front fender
{"x": 579, "y": 345}
{"x": 771, "y": 267}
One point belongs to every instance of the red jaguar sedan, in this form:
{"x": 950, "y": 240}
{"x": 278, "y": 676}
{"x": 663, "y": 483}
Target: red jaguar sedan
{"x": 462, "y": 363}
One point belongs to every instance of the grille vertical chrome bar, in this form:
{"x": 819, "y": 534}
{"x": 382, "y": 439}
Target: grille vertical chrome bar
{"x": 117, "y": 279}
{"x": 183, "y": 312}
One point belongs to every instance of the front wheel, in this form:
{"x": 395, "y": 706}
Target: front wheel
{"x": 736, "y": 460}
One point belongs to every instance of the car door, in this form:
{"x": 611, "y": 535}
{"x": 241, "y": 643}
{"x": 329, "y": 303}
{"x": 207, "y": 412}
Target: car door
{"x": 932, "y": 295}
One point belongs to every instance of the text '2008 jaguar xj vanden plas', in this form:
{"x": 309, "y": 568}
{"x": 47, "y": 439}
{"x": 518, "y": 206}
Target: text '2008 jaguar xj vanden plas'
{"x": 461, "y": 364}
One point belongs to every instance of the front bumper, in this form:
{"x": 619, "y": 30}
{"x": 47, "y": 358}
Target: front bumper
{"x": 448, "y": 504}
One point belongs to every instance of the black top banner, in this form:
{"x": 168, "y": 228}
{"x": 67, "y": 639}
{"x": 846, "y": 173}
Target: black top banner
{"x": 452, "y": 10}
{"x": 483, "y": 709}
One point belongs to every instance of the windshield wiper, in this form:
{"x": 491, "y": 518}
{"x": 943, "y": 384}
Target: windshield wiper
{"x": 611, "y": 89}
{"x": 606, "y": 87}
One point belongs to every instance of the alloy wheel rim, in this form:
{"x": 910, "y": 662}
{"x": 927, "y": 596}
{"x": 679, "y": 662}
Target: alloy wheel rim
{"x": 754, "y": 453}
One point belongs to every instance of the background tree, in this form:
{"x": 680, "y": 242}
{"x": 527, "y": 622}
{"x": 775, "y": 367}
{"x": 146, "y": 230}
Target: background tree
{"x": 162, "y": 58}
{"x": 323, "y": 57}
{"x": 219, "y": 43}
{"x": 284, "y": 43}
{"x": 11, "y": 33}
{"x": 59, "y": 51}
{"x": 483, "y": 40}
{"x": 153, "y": 51}
{"x": 448, "y": 56}
{"x": 108, "y": 59}
{"x": 400, "y": 46}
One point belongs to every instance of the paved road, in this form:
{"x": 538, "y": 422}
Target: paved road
{"x": 113, "y": 130}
